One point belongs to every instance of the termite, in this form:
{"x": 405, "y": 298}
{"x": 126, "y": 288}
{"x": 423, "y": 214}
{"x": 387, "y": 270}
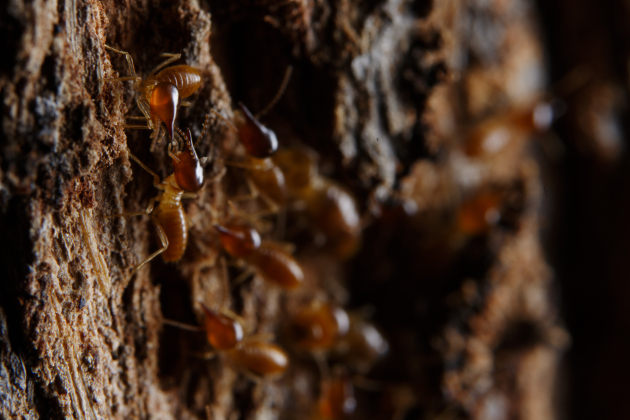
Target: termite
{"x": 168, "y": 216}
{"x": 508, "y": 130}
{"x": 330, "y": 207}
{"x": 160, "y": 93}
{"x": 259, "y": 358}
{"x": 317, "y": 326}
{"x": 269, "y": 259}
{"x": 260, "y": 143}
{"x": 253, "y": 355}
{"x": 362, "y": 346}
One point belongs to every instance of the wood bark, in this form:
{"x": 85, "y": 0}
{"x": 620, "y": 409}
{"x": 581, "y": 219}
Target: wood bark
{"x": 383, "y": 92}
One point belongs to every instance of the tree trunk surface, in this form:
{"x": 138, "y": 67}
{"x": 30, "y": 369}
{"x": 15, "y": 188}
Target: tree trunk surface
{"x": 384, "y": 92}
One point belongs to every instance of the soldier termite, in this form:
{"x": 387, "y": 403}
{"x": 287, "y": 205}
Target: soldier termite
{"x": 362, "y": 346}
{"x": 168, "y": 215}
{"x": 259, "y": 143}
{"x": 329, "y": 206}
{"x": 159, "y": 94}
{"x": 509, "y": 130}
{"x": 252, "y": 355}
{"x": 267, "y": 258}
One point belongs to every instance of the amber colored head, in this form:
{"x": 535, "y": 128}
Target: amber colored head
{"x": 276, "y": 266}
{"x": 186, "y": 166}
{"x": 239, "y": 241}
{"x": 258, "y": 140}
{"x": 336, "y": 400}
{"x": 259, "y": 358}
{"x": 316, "y": 327}
{"x": 223, "y": 332}
{"x": 163, "y": 103}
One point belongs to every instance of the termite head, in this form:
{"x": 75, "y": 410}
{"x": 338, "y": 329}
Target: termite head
{"x": 222, "y": 331}
{"x": 163, "y": 103}
{"x": 238, "y": 240}
{"x": 186, "y": 166}
{"x": 258, "y": 140}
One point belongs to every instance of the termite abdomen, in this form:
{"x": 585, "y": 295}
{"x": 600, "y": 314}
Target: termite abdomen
{"x": 185, "y": 78}
{"x": 259, "y": 358}
{"x": 170, "y": 216}
{"x": 276, "y": 266}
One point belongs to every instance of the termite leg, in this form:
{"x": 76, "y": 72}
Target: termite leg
{"x": 156, "y": 178}
{"x": 225, "y": 119}
{"x": 279, "y": 93}
{"x": 170, "y": 58}
{"x": 129, "y": 59}
{"x": 322, "y": 366}
{"x": 145, "y": 212}
{"x": 261, "y": 336}
{"x": 191, "y": 195}
{"x": 207, "y": 355}
{"x": 122, "y": 79}
{"x": 254, "y": 193}
{"x": 181, "y": 325}
{"x": 163, "y": 240}
{"x": 240, "y": 279}
{"x": 137, "y": 127}
{"x": 185, "y": 103}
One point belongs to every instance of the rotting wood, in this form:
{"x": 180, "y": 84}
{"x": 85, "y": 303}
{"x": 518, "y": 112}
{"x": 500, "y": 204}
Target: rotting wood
{"x": 382, "y": 91}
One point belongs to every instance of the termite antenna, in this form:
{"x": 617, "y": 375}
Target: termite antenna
{"x": 205, "y": 127}
{"x": 224, "y": 119}
{"x": 283, "y": 87}
{"x": 181, "y": 325}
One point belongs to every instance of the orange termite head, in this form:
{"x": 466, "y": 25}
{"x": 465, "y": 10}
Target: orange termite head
{"x": 336, "y": 400}
{"x": 316, "y": 327}
{"x": 186, "y": 166}
{"x": 163, "y": 103}
{"x": 222, "y": 331}
{"x": 259, "y": 358}
{"x": 258, "y": 140}
{"x": 238, "y": 240}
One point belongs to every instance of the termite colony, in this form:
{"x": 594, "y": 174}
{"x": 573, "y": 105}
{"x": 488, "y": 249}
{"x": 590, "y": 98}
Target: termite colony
{"x": 339, "y": 347}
